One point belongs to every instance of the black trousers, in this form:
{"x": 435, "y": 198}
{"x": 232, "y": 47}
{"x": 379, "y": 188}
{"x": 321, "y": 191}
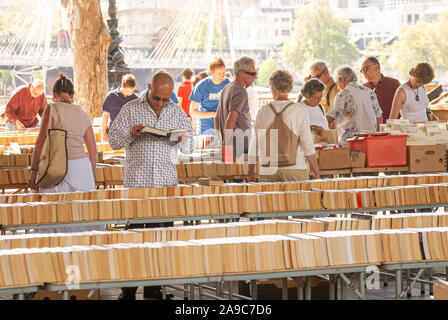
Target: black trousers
{"x": 147, "y": 290}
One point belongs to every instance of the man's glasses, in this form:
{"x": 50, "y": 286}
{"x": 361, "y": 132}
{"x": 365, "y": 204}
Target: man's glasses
{"x": 366, "y": 68}
{"x": 156, "y": 98}
{"x": 318, "y": 76}
{"x": 253, "y": 74}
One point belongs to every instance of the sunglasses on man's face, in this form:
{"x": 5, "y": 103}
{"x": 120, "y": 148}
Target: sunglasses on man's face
{"x": 366, "y": 68}
{"x": 253, "y": 74}
{"x": 156, "y": 98}
{"x": 318, "y": 76}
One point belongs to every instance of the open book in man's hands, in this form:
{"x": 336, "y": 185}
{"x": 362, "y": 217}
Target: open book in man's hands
{"x": 171, "y": 134}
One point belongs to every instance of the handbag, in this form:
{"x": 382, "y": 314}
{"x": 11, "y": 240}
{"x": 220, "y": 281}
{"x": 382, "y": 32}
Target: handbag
{"x": 53, "y": 160}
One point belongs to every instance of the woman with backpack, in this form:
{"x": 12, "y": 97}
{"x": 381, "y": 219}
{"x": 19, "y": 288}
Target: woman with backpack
{"x": 282, "y": 142}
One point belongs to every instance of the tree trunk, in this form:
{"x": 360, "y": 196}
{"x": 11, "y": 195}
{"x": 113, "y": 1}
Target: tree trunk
{"x": 90, "y": 43}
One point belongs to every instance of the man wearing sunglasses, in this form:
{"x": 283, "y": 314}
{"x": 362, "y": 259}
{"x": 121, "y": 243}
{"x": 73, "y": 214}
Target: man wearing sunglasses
{"x": 384, "y": 87}
{"x": 232, "y": 119}
{"x": 151, "y": 161}
{"x": 319, "y": 70}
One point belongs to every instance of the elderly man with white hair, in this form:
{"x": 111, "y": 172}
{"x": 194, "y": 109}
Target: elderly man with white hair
{"x": 355, "y": 107}
{"x": 25, "y": 104}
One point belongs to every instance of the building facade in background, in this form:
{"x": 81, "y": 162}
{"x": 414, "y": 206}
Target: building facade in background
{"x": 380, "y": 20}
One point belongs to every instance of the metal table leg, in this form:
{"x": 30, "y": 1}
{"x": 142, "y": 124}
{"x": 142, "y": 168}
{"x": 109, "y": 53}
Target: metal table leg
{"x": 362, "y": 284}
{"x": 191, "y": 291}
{"x": 446, "y": 273}
{"x": 308, "y": 288}
{"x": 20, "y": 296}
{"x": 410, "y": 284}
{"x": 431, "y": 286}
{"x": 253, "y": 289}
{"x": 219, "y": 289}
{"x": 332, "y": 287}
{"x": 338, "y": 288}
{"x": 408, "y": 280}
{"x": 385, "y": 280}
{"x": 230, "y": 290}
{"x": 163, "y": 292}
{"x": 186, "y": 292}
{"x": 285, "y": 289}
{"x": 422, "y": 285}
{"x": 200, "y": 291}
{"x": 398, "y": 283}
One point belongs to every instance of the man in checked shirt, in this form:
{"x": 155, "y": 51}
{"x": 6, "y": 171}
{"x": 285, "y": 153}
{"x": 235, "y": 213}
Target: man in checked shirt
{"x": 150, "y": 161}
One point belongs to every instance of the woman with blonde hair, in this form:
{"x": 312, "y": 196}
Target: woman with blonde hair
{"x": 411, "y": 100}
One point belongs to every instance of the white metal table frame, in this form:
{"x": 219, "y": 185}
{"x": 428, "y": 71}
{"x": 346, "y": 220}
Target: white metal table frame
{"x": 341, "y": 271}
{"x": 19, "y": 293}
{"x": 402, "y": 289}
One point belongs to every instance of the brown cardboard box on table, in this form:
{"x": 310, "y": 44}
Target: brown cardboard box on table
{"x": 334, "y": 159}
{"x": 358, "y": 159}
{"x": 440, "y": 290}
{"x": 427, "y": 158}
{"x": 329, "y": 136}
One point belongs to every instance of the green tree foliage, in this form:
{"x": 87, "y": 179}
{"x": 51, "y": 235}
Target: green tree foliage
{"x": 265, "y": 71}
{"x": 423, "y": 42}
{"x": 318, "y": 35}
{"x": 6, "y": 77}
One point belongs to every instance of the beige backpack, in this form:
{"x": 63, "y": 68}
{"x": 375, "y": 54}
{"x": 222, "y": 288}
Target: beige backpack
{"x": 53, "y": 159}
{"x": 288, "y": 141}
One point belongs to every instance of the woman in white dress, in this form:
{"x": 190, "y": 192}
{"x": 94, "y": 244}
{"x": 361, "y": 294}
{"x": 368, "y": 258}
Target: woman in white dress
{"x": 312, "y": 91}
{"x": 411, "y": 100}
{"x": 81, "y": 166}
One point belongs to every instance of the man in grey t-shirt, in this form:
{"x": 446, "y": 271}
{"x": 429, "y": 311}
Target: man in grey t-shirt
{"x": 232, "y": 118}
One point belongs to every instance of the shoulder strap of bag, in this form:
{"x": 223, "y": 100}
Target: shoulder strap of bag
{"x": 56, "y": 112}
{"x": 322, "y": 109}
{"x": 329, "y": 93}
{"x": 284, "y": 109}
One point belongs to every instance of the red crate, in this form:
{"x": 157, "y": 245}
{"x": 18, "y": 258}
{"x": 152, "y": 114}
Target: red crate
{"x": 389, "y": 151}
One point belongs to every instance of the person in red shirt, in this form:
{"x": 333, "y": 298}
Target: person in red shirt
{"x": 185, "y": 89}
{"x": 384, "y": 87}
{"x": 24, "y": 106}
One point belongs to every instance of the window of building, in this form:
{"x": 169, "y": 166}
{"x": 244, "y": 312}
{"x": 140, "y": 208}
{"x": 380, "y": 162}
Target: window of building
{"x": 416, "y": 18}
{"x": 357, "y": 20}
{"x": 285, "y": 19}
{"x": 409, "y": 18}
{"x": 286, "y": 32}
{"x": 276, "y": 33}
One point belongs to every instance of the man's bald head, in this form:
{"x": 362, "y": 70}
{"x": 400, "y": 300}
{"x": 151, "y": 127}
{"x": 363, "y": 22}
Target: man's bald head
{"x": 162, "y": 78}
{"x": 160, "y": 90}
{"x": 37, "y": 88}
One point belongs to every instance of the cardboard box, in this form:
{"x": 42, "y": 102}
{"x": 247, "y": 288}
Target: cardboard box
{"x": 440, "y": 290}
{"x": 427, "y": 158}
{"x": 358, "y": 159}
{"x": 334, "y": 159}
{"x": 328, "y": 136}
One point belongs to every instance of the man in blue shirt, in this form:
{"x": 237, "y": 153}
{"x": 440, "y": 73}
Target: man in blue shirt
{"x": 115, "y": 100}
{"x": 205, "y": 97}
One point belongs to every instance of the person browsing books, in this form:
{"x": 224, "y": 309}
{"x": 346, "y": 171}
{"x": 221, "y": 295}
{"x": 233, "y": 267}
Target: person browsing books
{"x": 150, "y": 160}
{"x": 205, "y": 96}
